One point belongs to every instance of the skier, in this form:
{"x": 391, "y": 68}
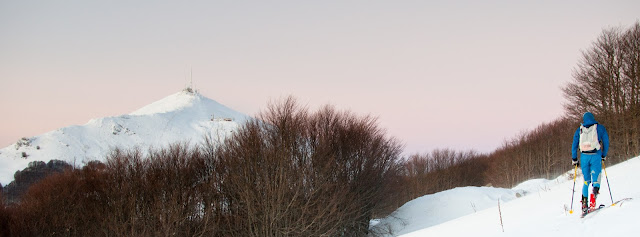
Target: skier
{"x": 593, "y": 141}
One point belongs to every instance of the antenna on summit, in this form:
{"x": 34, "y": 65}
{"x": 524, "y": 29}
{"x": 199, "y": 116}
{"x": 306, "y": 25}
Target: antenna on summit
{"x": 190, "y": 87}
{"x": 191, "y": 82}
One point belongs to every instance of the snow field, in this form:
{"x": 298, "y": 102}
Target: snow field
{"x": 543, "y": 211}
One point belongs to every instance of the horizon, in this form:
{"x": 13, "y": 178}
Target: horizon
{"x": 460, "y": 75}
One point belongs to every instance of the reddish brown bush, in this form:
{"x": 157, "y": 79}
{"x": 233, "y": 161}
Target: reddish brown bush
{"x": 443, "y": 169}
{"x": 291, "y": 173}
{"x": 544, "y": 152}
{"x": 5, "y": 216}
{"x": 70, "y": 203}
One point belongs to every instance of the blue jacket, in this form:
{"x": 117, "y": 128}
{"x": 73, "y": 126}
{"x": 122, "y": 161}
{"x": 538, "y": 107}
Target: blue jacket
{"x": 603, "y": 136}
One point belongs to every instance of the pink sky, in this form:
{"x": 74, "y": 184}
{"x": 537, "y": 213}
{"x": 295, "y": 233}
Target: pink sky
{"x": 438, "y": 74}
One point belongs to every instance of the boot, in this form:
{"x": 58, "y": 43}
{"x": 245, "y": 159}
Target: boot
{"x": 594, "y": 195}
{"x": 585, "y": 205}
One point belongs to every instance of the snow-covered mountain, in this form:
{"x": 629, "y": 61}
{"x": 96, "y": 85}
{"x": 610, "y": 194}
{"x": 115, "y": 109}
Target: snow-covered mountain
{"x": 184, "y": 116}
{"x": 534, "y": 208}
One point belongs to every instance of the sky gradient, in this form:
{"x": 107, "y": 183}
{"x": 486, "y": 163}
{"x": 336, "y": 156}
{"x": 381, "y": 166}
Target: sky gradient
{"x": 437, "y": 74}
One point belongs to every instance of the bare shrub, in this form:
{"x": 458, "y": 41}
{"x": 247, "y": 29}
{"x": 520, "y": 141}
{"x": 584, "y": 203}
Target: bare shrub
{"x": 291, "y": 173}
{"x": 443, "y": 169}
{"x": 5, "y": 216}
{"x": 162, "y": 194}
{"x": 543, "y": 152}
{"x": 65, "y": 204}
{"x": 35, "y": 171}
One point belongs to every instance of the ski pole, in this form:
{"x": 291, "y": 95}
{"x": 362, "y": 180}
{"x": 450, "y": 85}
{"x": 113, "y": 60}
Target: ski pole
{"x": 574, "y": 187}
{"x": 609, "y": 186}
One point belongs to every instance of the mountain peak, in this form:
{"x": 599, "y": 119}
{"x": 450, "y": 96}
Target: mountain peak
{"x": 177, "y": 101}
{"x": 183, "y": 116}
{"x": 191, "y": 103}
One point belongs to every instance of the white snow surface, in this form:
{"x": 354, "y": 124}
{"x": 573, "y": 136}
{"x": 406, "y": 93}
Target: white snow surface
{"x": 181, "y": 117}
{"x": 542, "y": 209}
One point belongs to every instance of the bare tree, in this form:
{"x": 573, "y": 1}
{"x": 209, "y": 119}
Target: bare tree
{"x": 606, "y": 82}
{"x": 292, "y": 173}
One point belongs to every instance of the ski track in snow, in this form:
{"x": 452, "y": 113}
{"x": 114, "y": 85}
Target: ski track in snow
{"x": 543, "y": 211}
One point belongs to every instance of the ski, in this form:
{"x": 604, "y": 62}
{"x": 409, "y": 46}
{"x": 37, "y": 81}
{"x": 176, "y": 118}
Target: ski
{"x": 602, "y": 206}
{"x": 592, "y": 210}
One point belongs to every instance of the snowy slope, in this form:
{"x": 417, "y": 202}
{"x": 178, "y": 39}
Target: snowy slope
{"x": 543, "y": 211}
{"x": 180, "y": 117}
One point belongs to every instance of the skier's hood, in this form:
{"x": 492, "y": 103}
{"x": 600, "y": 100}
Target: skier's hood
{"x": 588, "y": 119}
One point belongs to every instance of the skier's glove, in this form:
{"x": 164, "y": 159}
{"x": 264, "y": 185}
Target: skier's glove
{"x": 604, "y": 158}
{"x": 575, "y": 162}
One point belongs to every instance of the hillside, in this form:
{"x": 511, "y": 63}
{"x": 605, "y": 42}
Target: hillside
{"x": 541, "y": 210}
{"x": 184, "y": 116}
